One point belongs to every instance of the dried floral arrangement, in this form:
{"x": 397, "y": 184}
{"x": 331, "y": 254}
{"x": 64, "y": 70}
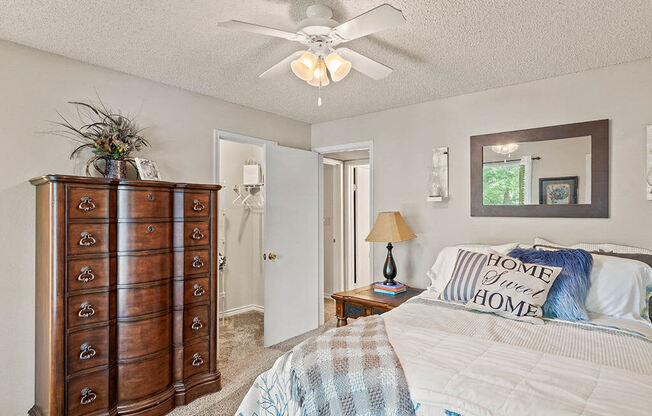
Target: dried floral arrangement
{"x": 109, "y": 134}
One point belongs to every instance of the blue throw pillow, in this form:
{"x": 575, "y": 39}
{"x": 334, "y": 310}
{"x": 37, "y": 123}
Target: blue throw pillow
{"x": 568, "y": 293}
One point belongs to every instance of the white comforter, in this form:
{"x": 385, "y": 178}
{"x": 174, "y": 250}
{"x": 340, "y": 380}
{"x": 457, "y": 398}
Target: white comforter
{"x": 476, "y": 364}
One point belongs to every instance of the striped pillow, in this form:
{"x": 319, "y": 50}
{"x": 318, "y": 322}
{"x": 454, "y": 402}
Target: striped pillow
{"x": 465, "y": 276}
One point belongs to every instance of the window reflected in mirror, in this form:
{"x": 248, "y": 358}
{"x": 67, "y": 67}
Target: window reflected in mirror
{"x": 547, "y": 172}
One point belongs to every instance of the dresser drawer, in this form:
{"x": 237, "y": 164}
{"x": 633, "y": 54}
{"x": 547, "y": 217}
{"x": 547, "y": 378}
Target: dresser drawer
{"x": 88, "y": 203}
{"x": 138, "y": 268}
{"x": 146, "y": 203}
{"x": 88, "y": 309}
{"x": 88, "y": 394}
{"x": 88, "y": 238}
{"x": 141, "y": 378}
{"x": 134, "y": 301}
{"x": 195, "y": 358}
{"x": 195, "y": 233}
{"x": 196, "y": 204}
{"x": 87, "y": 349}
{"x": 89, "y": 273}
{"x": 195, "y": 322}
{"x": 144, "y": 336}
{"x": 196, "y": 262}
{"x": 133, "y": 236}
{"x": 196, "y": 290}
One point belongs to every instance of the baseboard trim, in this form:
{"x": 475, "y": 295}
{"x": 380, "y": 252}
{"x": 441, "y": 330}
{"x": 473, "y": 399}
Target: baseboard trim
{"x": 244, "y": 309}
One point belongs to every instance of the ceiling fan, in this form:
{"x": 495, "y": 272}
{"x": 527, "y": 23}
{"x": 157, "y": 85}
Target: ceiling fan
{"x": 321, "y": 35}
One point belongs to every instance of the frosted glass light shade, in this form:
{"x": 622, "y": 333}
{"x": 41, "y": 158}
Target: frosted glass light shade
{"x": 505, "y": 149}
{"x": 337, "y": 66}
{"x": 304, "y": 66}
{"x": 320, "y": 73}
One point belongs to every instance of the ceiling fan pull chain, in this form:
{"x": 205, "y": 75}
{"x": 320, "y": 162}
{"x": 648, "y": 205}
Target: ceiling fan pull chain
{"x": 319, "y": 97}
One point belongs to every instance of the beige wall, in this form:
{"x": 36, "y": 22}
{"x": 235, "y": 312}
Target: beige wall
{"x": 243, "y": 228}
{"x": 403, "y": 138}
{"x": 33, "y": 85}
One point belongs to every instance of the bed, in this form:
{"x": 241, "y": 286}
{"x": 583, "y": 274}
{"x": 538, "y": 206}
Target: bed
{"x": 462, "y": 362}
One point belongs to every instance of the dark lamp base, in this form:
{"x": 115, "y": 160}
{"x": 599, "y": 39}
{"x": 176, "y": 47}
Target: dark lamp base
{"x": 389, "y": 269}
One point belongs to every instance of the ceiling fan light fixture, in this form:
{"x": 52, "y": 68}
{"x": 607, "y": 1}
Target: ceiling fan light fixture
{"x": 505, "y": 149}
{"x": 320, "y": 75}
{"x": 337, "y": 66}
{"x": 304, "y": 66}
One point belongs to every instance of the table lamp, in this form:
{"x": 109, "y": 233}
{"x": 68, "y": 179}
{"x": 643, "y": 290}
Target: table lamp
{"x": 390, "y": 227}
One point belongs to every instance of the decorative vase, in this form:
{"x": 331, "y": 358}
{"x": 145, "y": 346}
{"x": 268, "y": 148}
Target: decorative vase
{"x": 113, "y": 168}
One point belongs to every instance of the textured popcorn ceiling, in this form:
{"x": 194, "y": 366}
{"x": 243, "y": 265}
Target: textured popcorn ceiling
{"x": 446, "y": 48}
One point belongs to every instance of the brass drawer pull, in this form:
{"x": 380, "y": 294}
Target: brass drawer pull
{"x": 196, "y": 324}
{"x": 87, "y": 352}
{"x": 86, "y": 275}
{"x": 86, "y": 204}
{"x": 150, "y": 228}
{"x": 197, "y": 205}
{"x": 151, "y": 197}
{"x": 86, "y": 310}
{"x": 197, "y": 263}
{"x": 87, "y": 239}
{"x": 197, "y": 360}
{"x": 88, "y": 396}
{"x": 198, "y": 290}
{"x": 197, "y": 234}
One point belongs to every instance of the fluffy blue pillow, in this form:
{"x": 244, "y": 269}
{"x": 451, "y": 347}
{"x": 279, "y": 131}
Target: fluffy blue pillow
{"x": 568, "y": 293}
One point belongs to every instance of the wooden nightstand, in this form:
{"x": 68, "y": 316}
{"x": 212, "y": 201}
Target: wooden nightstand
{"x": 363, "y": 301}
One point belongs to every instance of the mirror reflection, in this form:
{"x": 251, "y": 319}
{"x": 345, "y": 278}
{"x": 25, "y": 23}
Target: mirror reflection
{"x": 548, "y": 172}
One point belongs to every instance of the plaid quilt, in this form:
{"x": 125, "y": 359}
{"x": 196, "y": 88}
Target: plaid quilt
{"x": 350, "y": 371}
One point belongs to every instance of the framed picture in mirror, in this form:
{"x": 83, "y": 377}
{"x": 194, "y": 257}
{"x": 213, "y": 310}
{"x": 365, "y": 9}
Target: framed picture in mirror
{"x": 555, "y": 171}
{"x": 558, "y": 191}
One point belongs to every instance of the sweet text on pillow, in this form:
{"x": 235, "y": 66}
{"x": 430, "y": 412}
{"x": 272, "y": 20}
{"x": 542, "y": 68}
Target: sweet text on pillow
{"x": 512, "y": 288}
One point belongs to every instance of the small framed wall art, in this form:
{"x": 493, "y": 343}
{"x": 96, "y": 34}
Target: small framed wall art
{"x": 147, "y": 169}
{"x": 558, "y": 191}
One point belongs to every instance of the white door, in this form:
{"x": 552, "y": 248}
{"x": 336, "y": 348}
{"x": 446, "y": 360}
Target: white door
{"x": 292, "y": 237}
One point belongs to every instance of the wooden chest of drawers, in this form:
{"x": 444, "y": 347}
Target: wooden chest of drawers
{"x": 126, "y": 295}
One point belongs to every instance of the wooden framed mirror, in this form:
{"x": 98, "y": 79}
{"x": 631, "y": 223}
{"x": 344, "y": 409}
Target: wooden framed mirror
{"x": 556, "y": 171}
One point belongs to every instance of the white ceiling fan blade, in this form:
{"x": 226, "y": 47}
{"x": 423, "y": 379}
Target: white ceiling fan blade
{"x": 261, "y": 30}
{"x": 281, "y": 67}
{"x": 381, "y": 18}
{"x": 364, "y": 65}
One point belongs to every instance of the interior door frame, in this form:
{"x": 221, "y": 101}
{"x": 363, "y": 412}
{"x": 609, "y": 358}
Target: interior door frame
{"x": 323, "y": 152}
{"x": 342, "y": 207}
{"x": 350, "y": 211}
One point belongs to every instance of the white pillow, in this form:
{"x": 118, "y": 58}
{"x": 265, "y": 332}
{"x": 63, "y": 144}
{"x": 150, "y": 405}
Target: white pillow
{"x": 441, "y": 271}
{"x": 618, "y": 287}
{"x": 607, "y": 247}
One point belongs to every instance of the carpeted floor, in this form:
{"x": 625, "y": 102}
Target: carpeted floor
{"x": 242, "y": 359}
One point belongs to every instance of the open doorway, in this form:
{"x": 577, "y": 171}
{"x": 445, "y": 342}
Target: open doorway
{"x": 239, "y": 169}
{"x": 269, "y": 235}
{"x": 346, "y": 220}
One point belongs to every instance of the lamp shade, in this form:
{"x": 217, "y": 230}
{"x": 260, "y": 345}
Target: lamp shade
{"x": 320, "y": 74}
{"x": 304, "y": 66}
{"x": 390, "y": 227}
{"x": 338, "y": 67}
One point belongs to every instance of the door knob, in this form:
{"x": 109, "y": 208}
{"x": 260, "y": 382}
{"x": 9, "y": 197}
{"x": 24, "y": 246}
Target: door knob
{"x": 271, "y": 256}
